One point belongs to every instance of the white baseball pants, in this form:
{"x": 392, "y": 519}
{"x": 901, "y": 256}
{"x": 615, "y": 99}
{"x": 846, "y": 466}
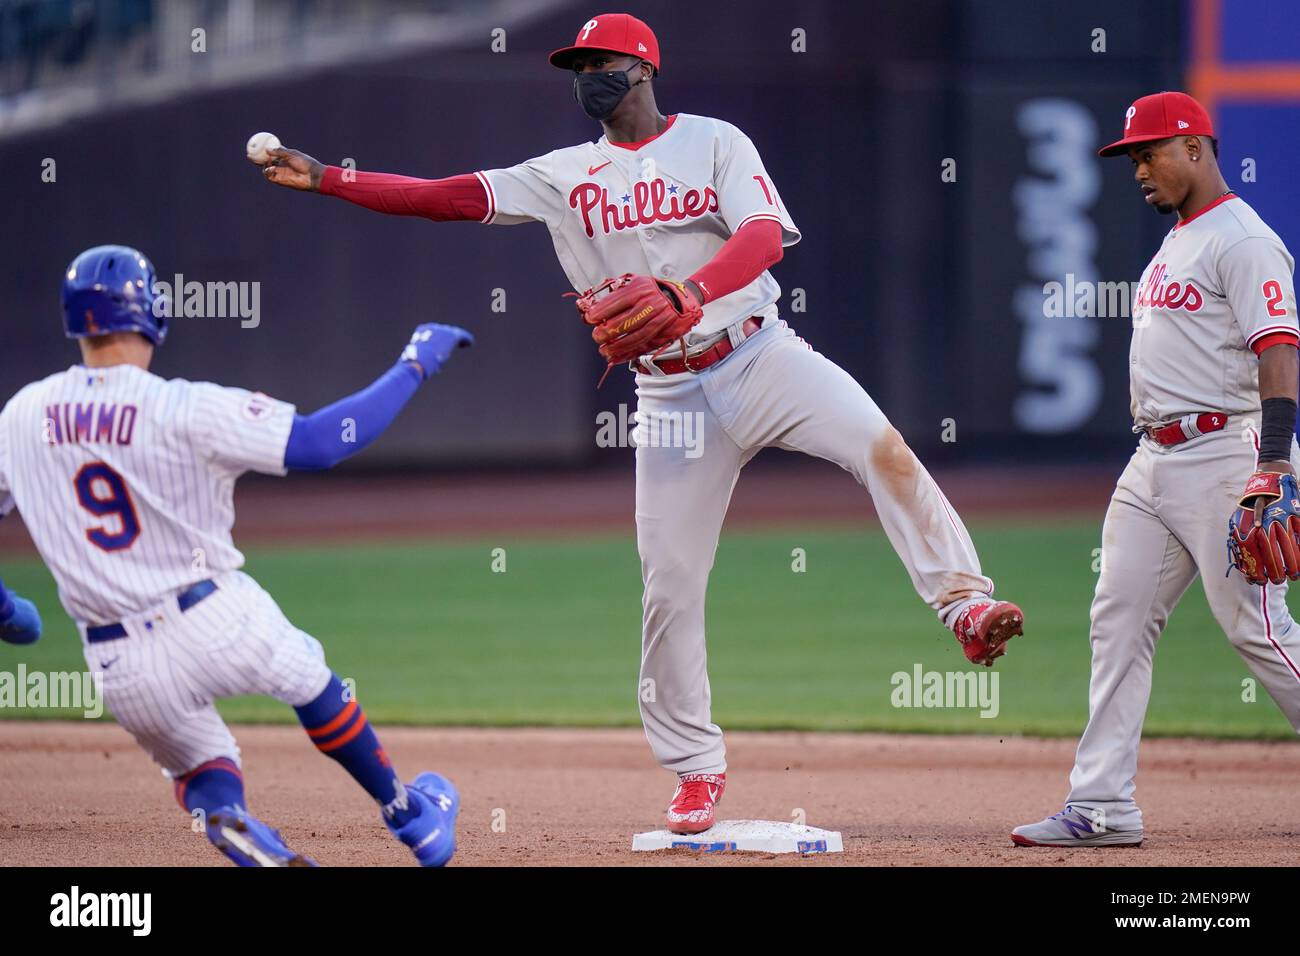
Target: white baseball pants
{"x": 160, "y": 680}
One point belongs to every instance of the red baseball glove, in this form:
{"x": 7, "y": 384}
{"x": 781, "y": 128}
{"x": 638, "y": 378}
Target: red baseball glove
{"x": 635, "y": 315}
{"x": 1264, "y": 532}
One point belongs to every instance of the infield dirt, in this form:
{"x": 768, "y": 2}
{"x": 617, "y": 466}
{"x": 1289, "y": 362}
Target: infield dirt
{"x": 82, "y": 794}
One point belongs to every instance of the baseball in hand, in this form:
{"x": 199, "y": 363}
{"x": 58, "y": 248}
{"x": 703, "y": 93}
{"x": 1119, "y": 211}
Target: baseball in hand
{"x": 259, "y": 145}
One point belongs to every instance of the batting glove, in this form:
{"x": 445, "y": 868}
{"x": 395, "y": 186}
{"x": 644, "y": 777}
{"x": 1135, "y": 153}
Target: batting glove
{"x": 20, "y": 622}
{"x": 432, "y": 344}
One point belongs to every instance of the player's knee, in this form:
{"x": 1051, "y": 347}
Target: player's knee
{"x": 669, "y": 597}
{"x": 152, "y": 728}
{"x": 663, "y": 605}
{"x": 1120, "y": 623}
{"x": 1242, "y": 635}
{"x": 891, "y": 466}
{"x": 889, "y": 450}
{"x": 673, "y": 577}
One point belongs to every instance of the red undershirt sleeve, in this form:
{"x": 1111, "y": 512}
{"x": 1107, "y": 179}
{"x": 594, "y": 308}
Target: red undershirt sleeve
{"x": 752, "y": 248}
{"x": 456, "y": 198}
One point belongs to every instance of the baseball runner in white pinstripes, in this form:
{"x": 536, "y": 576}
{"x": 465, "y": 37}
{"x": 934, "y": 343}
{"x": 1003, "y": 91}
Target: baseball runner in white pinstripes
{"x": 125, "y": 481}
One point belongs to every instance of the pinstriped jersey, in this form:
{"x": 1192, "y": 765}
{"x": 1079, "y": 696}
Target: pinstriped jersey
{"x": 1218, "y": 291}
{"x": 125, "y": 480}
{"x": 662, "y": 209}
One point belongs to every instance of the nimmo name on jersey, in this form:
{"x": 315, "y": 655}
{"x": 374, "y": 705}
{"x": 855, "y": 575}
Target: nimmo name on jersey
{"x": 101, "y": 423}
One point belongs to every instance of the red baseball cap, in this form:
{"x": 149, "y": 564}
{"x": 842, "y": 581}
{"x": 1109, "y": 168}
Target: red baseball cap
{"x": 617, "y": 32}
{"x": 1160, "y": 116}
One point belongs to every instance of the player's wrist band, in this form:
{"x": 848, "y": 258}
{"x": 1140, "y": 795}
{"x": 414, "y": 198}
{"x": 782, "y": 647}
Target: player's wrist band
{"x": 1277, "y": 429}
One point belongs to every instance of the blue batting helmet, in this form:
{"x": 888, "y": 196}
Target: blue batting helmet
{"x": 111, "y": 289}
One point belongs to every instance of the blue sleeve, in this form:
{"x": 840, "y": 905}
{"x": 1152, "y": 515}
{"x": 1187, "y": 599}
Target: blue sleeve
{"x": 324, "y": 438}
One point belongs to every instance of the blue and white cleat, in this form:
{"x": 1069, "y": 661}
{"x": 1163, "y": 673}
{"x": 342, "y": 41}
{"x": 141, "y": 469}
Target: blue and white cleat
{"x": 250, "y": 842}
{"x": 431, "y": 834}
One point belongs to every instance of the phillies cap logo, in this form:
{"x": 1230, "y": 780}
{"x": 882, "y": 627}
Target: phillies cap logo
{"x": 1128, "y": 114}
{"x": 587, "y": 28}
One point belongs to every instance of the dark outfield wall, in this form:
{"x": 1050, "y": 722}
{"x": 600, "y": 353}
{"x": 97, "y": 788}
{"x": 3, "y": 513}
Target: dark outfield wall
{"x": 924, "y": 289}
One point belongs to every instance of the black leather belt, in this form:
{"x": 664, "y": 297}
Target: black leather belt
{"x": 191, "y": 596}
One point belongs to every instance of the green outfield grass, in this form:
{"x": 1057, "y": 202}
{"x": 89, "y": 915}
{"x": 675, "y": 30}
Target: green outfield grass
{"x": 432, "y": 635}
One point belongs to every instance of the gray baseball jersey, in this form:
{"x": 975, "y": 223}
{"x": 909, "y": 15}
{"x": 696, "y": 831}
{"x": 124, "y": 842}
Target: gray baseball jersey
{"x": 1217, "y": 291}
{"x": 665, "y": 207}
{"x": 662, "y": 208}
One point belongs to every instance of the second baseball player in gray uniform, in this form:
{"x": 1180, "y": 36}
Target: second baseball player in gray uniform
{"x": 1213, "y": 375}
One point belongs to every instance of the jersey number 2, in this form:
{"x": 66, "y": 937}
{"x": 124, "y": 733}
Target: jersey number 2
{"x": 1272, "y": 290}
{"x": 102, "y": 492}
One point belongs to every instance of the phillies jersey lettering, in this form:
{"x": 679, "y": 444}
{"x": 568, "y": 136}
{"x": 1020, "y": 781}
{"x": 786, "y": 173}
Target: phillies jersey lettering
{"x": 663, "y": 209}
{"x": 1220, "y": 284}
{"x": 1158, "y": 292}
{"x": 125, "y": 480}
{"x": 645, "y": 205}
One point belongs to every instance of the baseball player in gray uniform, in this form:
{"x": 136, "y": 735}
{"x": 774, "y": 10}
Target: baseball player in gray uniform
{"x": 682, "y": 210}
{"x": 1213, "y": 376}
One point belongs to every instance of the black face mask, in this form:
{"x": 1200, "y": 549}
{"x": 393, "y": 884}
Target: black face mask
{"x": 600, "y": 93}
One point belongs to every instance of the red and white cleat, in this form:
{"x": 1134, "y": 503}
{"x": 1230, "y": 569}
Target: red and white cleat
{"x": 691, "y": 809}
{"x": 984, "y": 628}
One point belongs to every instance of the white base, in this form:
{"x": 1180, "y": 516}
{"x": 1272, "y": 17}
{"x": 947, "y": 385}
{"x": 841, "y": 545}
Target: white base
{"x": 737, "y": 836}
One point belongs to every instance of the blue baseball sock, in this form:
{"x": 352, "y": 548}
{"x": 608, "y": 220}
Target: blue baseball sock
{"x": 338, "y": 727}
{"x": 216, "y": 783}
